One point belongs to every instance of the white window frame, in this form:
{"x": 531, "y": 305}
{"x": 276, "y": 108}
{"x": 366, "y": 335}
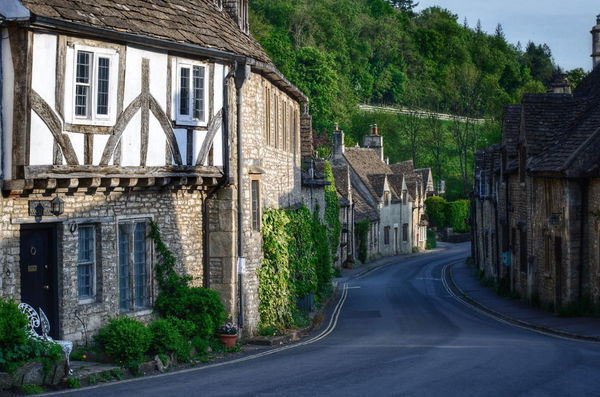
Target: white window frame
{"x": 92, "y": 118}
{"x": 189, "y": 119}
{"x": 92, "y": 297}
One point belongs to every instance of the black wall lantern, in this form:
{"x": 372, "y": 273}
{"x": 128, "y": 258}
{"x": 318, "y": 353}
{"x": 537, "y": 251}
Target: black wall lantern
{"x": 41, "y": 208}
{"x": 57, "y": 206}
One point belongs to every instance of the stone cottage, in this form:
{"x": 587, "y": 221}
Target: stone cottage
{"x": 537, "y": 197}
{"x": 379, "y": 195}
{"x": 118, "y": 114}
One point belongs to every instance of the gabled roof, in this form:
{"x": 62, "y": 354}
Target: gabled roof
{"x": 511, "y": 125}
{"x": 427, "y": 179}
{"x": 197, "y": 22}
{"x": 403, "y": 167}
{"x": 368, "y": 166}
{"x": 362, "y": 210}
{"x": 191, "y": 24}
{"x": 342, "y": 178}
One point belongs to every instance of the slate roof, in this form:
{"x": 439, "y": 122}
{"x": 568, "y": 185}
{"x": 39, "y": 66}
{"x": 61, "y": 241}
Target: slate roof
{"x": 403, "y": 167}
{"x": 362, "y": 210}
{"x": 369, "y": 167}
{"x": 197, "y": 22}
{"x": 342, "y": 186}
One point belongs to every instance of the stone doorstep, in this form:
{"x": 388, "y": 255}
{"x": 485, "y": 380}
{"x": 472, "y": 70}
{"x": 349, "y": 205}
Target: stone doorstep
{"x": 83, "y": 370}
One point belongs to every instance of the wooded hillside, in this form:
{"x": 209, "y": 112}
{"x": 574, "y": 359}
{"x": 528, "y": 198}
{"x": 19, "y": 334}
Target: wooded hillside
{"x": 345, "y": 52}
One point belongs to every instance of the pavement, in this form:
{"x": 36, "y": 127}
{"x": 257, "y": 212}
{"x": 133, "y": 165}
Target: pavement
{"x": 517, "y": 312}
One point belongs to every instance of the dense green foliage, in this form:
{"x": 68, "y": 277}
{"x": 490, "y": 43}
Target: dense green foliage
{"x": 435, "y": 211}
{"x": 345, "y": 52}
{"x": 362, "y": 231}
{"x": 16, "y": 347}
{"x": 441, "y": 213}
{"x": 125, "y": 340}
{"x": 332, "y": 210}
{"x": 431, "y": 240}
{"x": 166, "y": 338}
{"x": 201, "y": 307}
{"x": 297, "y": 262}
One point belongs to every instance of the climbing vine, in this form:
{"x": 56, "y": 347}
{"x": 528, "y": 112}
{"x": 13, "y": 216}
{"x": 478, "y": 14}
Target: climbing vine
{"x": 332, "y": 210}
{"x": 362, "y": 230}
{"x": 297, "y": 262}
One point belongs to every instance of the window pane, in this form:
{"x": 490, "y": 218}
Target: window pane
{"x": 84, "y": 280}
{"x": 184, "y": 91}
{"x": 140, "y": 264}
{"x": 103, "y": 75}
{"x": 86, "y": 244}
{"x": 83, "y": 67}
{"x": 124, "y": 267}
{"x": 81, "y": 100}
{"x": 199, "y": 92}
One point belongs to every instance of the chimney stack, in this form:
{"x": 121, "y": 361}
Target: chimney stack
{"x": 338, "y": 143}
{"x": 560, "y": 84}
{"x": 238, "y": 10}
{"x": 596, "y": 42}
{"x": 374, "y": 141}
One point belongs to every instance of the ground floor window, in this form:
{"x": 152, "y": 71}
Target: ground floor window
{"x": 386, "y": 235}
{"x": 405, "y": 232}
{"x": 86, "y": 261}
{"x": 134, "y": 264}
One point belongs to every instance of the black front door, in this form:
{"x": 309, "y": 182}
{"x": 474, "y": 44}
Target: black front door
{"x": 39, "y": 271}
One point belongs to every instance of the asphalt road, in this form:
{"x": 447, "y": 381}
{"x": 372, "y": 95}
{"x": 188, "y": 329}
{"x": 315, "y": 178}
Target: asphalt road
{"x": 397, "y": 332}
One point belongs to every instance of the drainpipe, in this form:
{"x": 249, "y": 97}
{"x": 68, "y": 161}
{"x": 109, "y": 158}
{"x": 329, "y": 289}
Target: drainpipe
{"x": 242, "y": 73}
{"x": 225, "y": 182}
{"x": 584, "y": 184}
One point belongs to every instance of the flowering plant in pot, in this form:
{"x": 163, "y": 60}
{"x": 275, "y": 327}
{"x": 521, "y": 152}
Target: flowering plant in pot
{"x": 228, "y": 334}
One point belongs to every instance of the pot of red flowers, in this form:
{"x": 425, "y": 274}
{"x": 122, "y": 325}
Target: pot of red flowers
{"x": 228, "y": 334}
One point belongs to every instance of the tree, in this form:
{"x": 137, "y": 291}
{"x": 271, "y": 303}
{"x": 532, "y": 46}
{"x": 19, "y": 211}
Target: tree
{"x": 406, "y": 6}
{"x": 575, "y": 76}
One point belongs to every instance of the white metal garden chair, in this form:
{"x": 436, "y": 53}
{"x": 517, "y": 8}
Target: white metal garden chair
{"x": 36, "y": 320}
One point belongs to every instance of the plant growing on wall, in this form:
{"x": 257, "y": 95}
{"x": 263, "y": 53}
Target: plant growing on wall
{"x": 274, "y": 289}
{"x": 301, "y": 252}
{"x": 332, "y": 210}
{"x": 362, "y": 231}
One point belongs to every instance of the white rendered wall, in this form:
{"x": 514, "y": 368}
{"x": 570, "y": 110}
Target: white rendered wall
{"x": 8, "y": 82}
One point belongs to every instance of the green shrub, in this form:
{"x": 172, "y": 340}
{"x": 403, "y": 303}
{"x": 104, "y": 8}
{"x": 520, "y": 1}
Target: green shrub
{"x": 200, "y": 306}
{"x": 13, "y": 325}
{"x": 456, "y": 214}
{"x": 301, "y": 252}
{"x": 431, "y": 240}
{"x": 125, "y": 340}
{"x": 186, "y": 328}
{"x": 166, "y": 338}
{"x": 201, "y": 345}
{"x": 324, "y": 259}
{"x": 362, "y": 230}
{"x": 332, "y": 210}
{"x": 435, "y": 211}
{"x": 73, "y": 383}
{"x": 31, "y": 389}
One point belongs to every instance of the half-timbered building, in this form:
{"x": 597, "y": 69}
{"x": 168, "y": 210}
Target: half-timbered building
{"x": 116, "y": 114}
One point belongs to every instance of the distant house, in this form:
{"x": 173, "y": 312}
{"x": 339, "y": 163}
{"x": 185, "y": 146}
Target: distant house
{"x": 536, "y": 204}
{"x": 119, "y": 114}
{"x": 381, "y": 196}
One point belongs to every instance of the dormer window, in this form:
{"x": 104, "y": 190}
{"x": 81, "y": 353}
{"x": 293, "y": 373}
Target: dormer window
{"x": 190, "y": 99}
{"x": 91, "y": 98}
{"x": 386, "y": 198}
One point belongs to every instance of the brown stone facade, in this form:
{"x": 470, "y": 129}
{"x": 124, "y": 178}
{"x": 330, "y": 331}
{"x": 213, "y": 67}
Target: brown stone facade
{"x": 177, "y": 212}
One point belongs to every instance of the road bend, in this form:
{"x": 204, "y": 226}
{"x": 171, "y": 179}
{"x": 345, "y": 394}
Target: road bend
{"x": 396, "y": 331}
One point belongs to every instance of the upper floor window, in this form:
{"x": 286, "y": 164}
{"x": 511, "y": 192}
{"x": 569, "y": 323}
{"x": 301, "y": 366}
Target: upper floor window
{"x": 190, "y": 99}
{"x": 386, "y": 198}
{"x": 92, "y": 97}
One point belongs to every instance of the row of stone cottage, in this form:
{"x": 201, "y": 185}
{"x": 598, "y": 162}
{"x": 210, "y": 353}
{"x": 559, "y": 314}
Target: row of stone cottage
{"x": 536, "y": 202}
{"x": 117, "y": 114}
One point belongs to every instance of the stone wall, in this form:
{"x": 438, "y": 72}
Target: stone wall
{"x": 177, "y": 213}
{"x": 273, "y": 161}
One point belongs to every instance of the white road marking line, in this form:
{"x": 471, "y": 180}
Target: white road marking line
{"x": 328, "y": 330}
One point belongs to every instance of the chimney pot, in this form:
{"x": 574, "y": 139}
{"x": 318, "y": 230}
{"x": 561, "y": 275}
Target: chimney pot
{"x": 375, "y": 132}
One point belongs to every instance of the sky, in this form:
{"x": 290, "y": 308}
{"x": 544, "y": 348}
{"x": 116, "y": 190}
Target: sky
{"x": 564, "y": 25}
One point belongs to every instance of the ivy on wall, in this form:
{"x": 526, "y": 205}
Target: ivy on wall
{"x": 332, "y": 210}
{"x": 362, "y": 232}
{"x": 297, "y": 262}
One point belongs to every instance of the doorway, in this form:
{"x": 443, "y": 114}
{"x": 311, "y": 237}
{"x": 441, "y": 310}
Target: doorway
{"x": 39, "y": 273}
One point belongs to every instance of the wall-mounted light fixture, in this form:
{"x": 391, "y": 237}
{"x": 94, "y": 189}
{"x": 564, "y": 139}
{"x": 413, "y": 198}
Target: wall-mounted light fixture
{"x": 41, "y": 208}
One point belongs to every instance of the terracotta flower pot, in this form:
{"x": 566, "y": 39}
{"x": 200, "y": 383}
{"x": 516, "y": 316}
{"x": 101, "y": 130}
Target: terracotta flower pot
{"x": 228, "y": 340}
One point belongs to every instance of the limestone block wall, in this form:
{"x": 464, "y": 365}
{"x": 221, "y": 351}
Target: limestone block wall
{"x": 592, "y": 281}
{"x": 177, "y": 212}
